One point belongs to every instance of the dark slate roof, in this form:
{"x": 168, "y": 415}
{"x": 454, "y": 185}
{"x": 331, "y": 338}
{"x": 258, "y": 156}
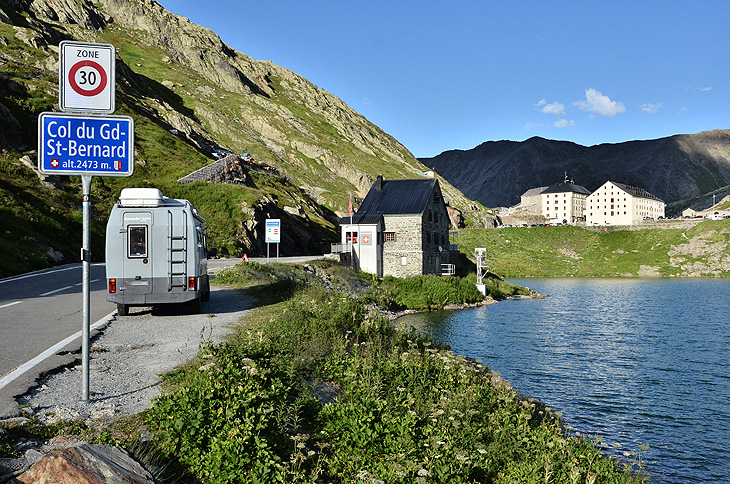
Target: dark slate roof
{"x": 399, "y": 197}
{"x": 636, "y": 192}
{"x": 369, "y": 218}
{"x": 565, "y": 188}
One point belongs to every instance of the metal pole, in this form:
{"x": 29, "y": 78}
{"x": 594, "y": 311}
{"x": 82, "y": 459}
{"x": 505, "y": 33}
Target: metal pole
{"x": 86, "y": 264}
{"x": 267, "y": 252}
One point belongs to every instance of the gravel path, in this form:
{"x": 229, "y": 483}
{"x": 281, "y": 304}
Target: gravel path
{"x": 128, "y": 356}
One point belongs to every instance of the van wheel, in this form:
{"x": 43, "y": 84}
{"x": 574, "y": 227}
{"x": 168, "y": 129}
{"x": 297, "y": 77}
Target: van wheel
{"x": 206, "y": 296}
{"x": 195, "y": 306}
{"x": 122, "y": 309}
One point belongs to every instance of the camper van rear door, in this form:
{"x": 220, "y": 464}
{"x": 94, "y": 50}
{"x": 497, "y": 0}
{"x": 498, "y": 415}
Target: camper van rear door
{"x": 138, "y": 248}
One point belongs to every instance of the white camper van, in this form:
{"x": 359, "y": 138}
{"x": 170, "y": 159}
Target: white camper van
{"x": 155, "y": 252}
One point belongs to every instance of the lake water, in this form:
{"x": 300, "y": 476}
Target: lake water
{"x": 634, "y": 361}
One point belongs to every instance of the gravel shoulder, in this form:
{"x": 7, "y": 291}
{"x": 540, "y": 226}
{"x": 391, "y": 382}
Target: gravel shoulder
{"x": 128, "y": 357}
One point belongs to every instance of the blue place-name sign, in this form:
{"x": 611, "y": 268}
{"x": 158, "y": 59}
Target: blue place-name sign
{"x": 71, "y": 144}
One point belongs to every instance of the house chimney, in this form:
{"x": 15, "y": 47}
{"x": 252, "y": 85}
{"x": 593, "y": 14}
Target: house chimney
{"x": 379, "y": 183}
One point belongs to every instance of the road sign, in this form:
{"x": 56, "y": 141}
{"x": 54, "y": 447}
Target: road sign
{"x": 70, "y": 144}
{"x": 273, "y": 232}
{"x": 86, "y": 77}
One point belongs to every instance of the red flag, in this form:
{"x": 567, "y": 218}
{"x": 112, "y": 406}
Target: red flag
{"x": 349, "y": 208}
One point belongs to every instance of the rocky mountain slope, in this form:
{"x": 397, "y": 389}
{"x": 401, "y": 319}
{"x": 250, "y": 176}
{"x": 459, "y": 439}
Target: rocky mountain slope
{"x": 191, "y": 96}
{"x": 673, "y": 168}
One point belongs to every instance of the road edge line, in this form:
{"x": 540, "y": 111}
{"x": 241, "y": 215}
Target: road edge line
{"x": 30, "y": 364}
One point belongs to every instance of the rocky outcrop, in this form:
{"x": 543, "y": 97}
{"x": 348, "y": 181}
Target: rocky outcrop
{"x": 673, "y": 168}
{"x": 85, "y": 464}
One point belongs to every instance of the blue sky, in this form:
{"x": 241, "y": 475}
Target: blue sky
{"x": 442, "y": 75}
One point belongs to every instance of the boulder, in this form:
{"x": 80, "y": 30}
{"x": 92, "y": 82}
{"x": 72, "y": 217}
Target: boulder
{"x": 86, "y": 464}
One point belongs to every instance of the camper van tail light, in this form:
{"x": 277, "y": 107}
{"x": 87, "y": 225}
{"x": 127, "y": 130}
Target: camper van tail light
{"x": 192, "y": 283}
{"x": 112, "y": 286}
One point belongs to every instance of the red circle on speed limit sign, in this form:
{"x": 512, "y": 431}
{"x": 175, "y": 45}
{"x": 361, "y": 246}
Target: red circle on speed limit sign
{"x": 96, "y": 78}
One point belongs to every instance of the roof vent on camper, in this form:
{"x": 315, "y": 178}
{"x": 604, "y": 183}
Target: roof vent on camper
{"x": 140, "y": 197}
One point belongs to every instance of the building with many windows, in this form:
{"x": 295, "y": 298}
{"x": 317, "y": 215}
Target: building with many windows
{"x": 564, "y": 203}
{"x": 618, "y": 204}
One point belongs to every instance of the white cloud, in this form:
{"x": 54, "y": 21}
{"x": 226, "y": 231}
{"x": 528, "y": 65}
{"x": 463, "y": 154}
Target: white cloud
{"x": 650, "y": 108}
{"x": 598, "y": 103}
{"x": 366, "y": 101}
{"x": 541, "y": 102}
{"x": 563, "y": 123}
{"x": 555, "y": 108}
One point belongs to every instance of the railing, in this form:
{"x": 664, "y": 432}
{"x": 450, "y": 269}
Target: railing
{"x": 340, "y": 248}
{"x": 448, "y": 269}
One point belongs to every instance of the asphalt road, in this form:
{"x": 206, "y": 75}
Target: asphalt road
{"x": 42, "y": 309}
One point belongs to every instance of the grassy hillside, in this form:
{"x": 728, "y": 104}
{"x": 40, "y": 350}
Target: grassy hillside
{"x": 309, "y": 150}
{"x": 576, "y": 252}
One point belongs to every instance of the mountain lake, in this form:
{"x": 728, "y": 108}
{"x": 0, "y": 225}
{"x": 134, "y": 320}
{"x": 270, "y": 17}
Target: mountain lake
{"x": 640, "y": 364}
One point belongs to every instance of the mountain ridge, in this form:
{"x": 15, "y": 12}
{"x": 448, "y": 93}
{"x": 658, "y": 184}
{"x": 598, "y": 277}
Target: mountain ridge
{"x": 674, "y": 168}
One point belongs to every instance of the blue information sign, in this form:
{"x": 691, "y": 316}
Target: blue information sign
{"x": 71, "y": 144}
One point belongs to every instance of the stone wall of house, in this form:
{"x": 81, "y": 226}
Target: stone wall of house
{"x": 404, "y": 256}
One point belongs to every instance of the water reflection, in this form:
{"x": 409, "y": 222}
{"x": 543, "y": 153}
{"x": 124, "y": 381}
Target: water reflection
{"x": 636, "y": 361}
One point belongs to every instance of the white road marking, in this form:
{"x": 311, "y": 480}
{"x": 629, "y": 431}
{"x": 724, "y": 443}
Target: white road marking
{"x": 10, "y": 304}
{"x": 93, "y": 280}
{"x": 53, "y": 292}
{"x": 10, "y": 377}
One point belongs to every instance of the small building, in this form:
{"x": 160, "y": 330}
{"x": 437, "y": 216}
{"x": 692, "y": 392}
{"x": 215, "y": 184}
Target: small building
{"x": 401, "y": 229}
{"x": 564, "y": 203}
{"x": 531, "y": 200}
{"x": 618, "y": 204}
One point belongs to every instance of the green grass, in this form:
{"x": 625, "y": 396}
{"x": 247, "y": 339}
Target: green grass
{"x": 573, "y": 251}
{"x": 397, "y": 408}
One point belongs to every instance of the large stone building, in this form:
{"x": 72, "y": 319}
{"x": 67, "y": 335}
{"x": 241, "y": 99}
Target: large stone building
{"x": 401, "y": 229}
{"x": 564, "y": 203}
{"x": 618, "y": 204}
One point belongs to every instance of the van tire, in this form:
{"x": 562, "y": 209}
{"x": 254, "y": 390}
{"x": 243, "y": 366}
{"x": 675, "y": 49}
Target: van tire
{"x": 122, "y": 309}
{"x": 195, "y": 306}
{"x": 205, "y": 297}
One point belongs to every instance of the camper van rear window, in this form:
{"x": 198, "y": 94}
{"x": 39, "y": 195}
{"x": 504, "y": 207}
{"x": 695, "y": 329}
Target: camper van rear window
{"x": 137, "y": 241}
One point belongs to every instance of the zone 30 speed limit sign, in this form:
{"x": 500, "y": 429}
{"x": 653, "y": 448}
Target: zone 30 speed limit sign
{"x": 86, "y": 78}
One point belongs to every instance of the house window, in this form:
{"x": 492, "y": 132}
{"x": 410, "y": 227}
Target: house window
{"x": 428, "y": 237}
{"x": 430, "y": 216}
{"x": 351, "y": 237}
{"x": 436, "y": 197}
{"x": 389, "y": 236}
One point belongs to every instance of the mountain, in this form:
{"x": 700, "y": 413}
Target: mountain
{"x": 191, "y": 96}
{"x": 675, "y": 168}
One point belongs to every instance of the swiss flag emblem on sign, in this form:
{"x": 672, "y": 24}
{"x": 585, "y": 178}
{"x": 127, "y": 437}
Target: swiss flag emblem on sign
{"x": 54, "y": 163}
{"x": 365, "y": 239}
{"x": 117, "y": 165}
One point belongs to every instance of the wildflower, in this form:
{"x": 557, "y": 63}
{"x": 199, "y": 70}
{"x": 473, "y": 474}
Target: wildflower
{"x": 423, "y": 473}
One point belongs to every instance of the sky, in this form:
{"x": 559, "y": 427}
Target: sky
{"x": 440, "y": 75}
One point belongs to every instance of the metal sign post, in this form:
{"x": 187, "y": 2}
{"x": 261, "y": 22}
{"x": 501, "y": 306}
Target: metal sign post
{"x": 86, "y": 140}
{"x": 86, "y": 264}
{"x": 273, "y": 235}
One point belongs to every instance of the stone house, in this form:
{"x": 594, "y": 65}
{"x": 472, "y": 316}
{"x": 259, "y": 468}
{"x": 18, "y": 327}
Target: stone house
{"x": 401, "y": 229}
